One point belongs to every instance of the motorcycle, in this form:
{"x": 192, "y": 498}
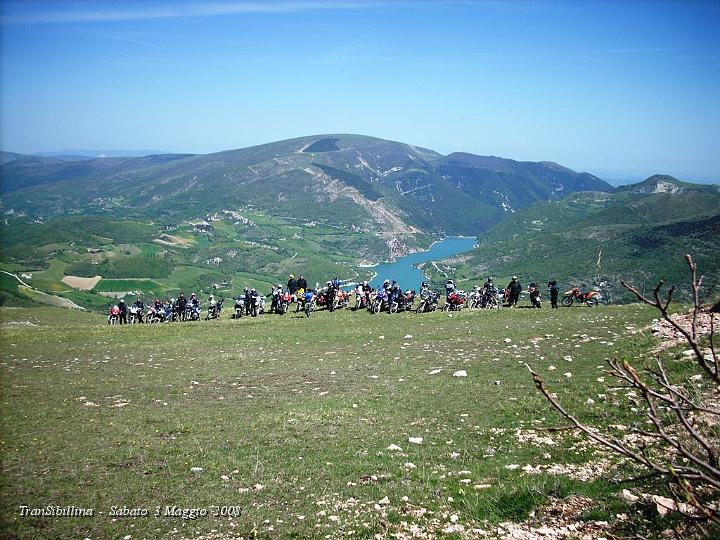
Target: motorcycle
{"x": 192, "y": 312}
{"x": 342, "y": 299}
{"x": 257, "y": 305}
{"x": 455, "y": 301}
{"x": 284, "y": 302}
{"x": 590, "y": 298}
{"x": 135, "y": 314}
{"x": 158, "y": 314}
{"x": 428, "y": 302}
{"x": 490, "y": 299}
{"x": 535, "y": 296}
{"x": 406, "y": 300}
{"x": 474, "y": 299}
{"x": 214, "y": 310}
{"x": 361, "y": 300}
{"x": 239, "y": 308}
{"x": 113, "y": 315}
{"x": 380, "y": 302}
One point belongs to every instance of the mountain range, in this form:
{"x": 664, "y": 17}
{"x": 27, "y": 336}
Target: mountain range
{"x": 373, "y": 184}
{"x": 329, "y": 205}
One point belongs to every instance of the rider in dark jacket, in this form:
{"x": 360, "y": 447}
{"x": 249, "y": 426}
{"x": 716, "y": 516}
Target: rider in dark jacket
{"x": 292, "y": 285}
{"x": 123, "y": 311}
{"x": 181, "y": 304}
{"x": 515, "y": 289}
{"x": 248, "y": 300}
{"x": 302, "y": 284}
{"x": 554, "y": 292}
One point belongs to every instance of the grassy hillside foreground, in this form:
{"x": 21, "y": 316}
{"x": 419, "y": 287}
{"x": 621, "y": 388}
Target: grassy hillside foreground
{"x": 292, "y": 420}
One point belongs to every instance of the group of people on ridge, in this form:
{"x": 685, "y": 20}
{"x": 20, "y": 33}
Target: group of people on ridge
{"x": 297, "y": 291}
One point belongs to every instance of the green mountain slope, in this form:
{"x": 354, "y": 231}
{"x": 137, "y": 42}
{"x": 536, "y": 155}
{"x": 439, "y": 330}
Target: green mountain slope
{"x": 637, "y": 233}
{"x": 348, "y": 180}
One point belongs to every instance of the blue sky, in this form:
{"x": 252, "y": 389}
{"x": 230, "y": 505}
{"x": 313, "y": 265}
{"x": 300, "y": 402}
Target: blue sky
{"x": 600, "y": 86}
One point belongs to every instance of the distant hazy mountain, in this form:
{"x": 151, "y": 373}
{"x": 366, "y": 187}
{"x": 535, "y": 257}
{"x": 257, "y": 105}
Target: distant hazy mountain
{"x": 366, "y": 182}
{"x": 91, "y": 154}
{"x": 639, "y": 233}
{"x": 621, "y": 177}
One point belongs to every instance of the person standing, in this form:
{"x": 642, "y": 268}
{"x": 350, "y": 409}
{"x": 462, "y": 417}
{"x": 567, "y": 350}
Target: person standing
{"x": 515, "y": 288}
{"x": 301, "y": 284}
{"x": 181, "y": 304}
{"x": 123, "y": 311}
{"x": 292, "y": 285}
{"x": 554, "y": 292}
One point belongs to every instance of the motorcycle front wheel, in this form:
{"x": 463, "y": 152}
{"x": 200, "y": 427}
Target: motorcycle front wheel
{"x": 591, "y": 302}
{"x": 567, "y": 301}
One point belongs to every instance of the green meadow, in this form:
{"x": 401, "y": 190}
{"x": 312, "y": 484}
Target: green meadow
{"x": 290, "y": 421}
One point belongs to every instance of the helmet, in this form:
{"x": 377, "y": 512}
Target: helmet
{"x": 365, "y": 283}
{"x": 245, "y": 289}
{"x": 211, "y": 297}
{"x": 279, "y": 286}
{"x": 328, "y": 283}
{"x": 193, "y": 294}
{"x": 514, "y": 277}
{"x": 451, "y": 281}
{"x": 292, "y": 276}
{"x": 386, "y": 281}
{"x": 252, "y": 291}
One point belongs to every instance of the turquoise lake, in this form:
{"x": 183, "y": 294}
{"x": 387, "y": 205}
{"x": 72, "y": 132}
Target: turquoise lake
{"x": 409, "y": 277}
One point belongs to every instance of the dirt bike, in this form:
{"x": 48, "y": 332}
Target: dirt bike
{"x": 380, "y": 302}
{"x": 113, "y": 315}
{"x": 406, "y": 300}
{"x": 428, "y": 302}
{"x": 474, "y": 299}
{"x": 284, "y": 303}
{"x": 257, "y": 305}
{"x": 361, "y": 300}
{"x": 239, "y": 308}
{"x": 455, "y": 301}
{"x": 135, "y": 314}
{"x": 589, "y": 298}
{"x": 192, "y": 313}
{"x": 214, "y": 310}
{"x": 156, "y": 315}
{"x": 342, "y": 299}
{"x": 490, "y": 299}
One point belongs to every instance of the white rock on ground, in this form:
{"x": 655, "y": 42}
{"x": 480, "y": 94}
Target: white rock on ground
{"x": 415, "y": 440}
{"x": 460, "y": 373}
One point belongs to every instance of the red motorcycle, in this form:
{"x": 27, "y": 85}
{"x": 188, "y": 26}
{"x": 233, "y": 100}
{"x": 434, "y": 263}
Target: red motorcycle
{"x": 589, "y": 298}
{"x": 284, "y": 302}
{"x": 455, "y": 301}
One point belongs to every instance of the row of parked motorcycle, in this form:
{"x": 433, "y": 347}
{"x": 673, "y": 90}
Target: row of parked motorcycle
{"x": 375, "y": 301}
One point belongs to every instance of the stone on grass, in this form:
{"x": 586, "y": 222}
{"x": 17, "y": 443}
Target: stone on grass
{"x": 460, "y": 373}
{"x": 664, "y": 505}
{"x": 394, "y": 448}
{"x": 415, "y": 440}
{"x": 628, "y": 496}
{"x": 196, "y": 469}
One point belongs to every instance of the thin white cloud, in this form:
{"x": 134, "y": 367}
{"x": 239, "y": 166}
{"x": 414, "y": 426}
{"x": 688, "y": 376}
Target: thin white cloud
{"x": 24, "y": 12}
{"x": 91, "y": 13}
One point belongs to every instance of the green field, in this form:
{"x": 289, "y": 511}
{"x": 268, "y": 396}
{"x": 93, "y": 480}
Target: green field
{"x": 291, "y": 419}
